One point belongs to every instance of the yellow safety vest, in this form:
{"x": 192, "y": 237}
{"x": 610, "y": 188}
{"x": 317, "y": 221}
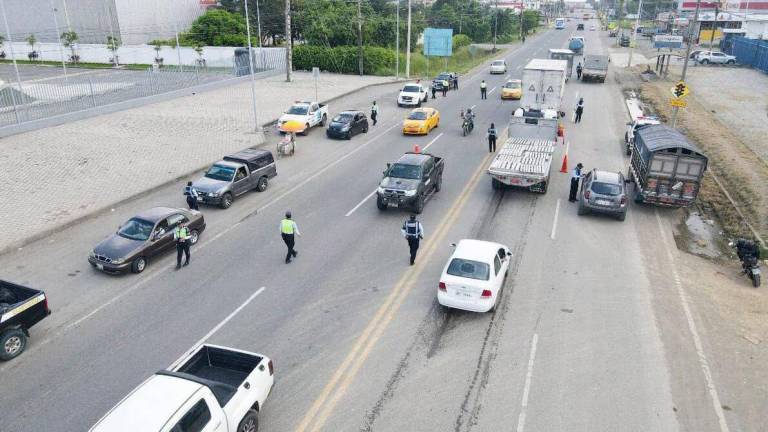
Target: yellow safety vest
{"x": 286, "y": 226}
{"x": 181, "y": 233}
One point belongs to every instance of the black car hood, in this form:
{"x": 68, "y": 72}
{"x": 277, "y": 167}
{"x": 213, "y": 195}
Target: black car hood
{"x": 399, "y": 183}
{"x": 116, "y": 246}
{"x": 339, "y": 125}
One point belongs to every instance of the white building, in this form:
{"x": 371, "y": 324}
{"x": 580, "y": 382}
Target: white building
{"x": 133, "y": 21}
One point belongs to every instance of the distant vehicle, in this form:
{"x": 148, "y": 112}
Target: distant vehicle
{"x": 613, "y": 33}
{"x": 443, "y": 80}
{"x": 666, "y": 167}
{"x": 629, "y": 135}
{"x": 706, "y": 57}
{"x": 421, "y": 121}
{"x": 603, "y": 192}
{"x": 20, "y": 309}
{"x": 560, "y": 23}
{"x": 474, "y": 276}
{"x": 143, "y": 237}
{"x": 579, "y": 26}
{"x": 214, "y": 389}
{"x": 347, "y": 124}
{"x": 247, "y": 170}
{"x": 412, "y": 94}
{"x": 499, "y": 67}
{"x": 693, "y": 54}
{"x": 410, "y": 181}
{"x": 513, "y": 89}
{"x": 595, "y": 68}
{"x": 310, "y": 114}
{"x": 576, "y": 44}
{"x": 592, "y": 28}
{"x": 624, "y": 41}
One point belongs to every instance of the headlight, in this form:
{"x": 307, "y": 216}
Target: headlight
{"x": 118, "y": 261}
{"x": 92, "y": 254}
{"x": 410, "y": 193}
{"x": 380, "y": 190}
{"x": 214, "y": 194}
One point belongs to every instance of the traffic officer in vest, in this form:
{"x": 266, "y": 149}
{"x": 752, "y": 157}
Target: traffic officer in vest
{"x": 575, "y": 177}
{"x": 289, "y": 230}
{"x": 413, "y": 232}
{"x": 483, "y": 88}
{"x": 374, "y": 112}
{"x": 182, "y": 238}
{"x": 192, "y": 196}
{"x": 492, "y": 134}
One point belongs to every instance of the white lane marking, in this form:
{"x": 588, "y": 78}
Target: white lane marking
{"x": 374, "y": 191}
{"x": 703, "y": 362}
{"x": 554, "y": 222}
{"x": 218, "y": 326}
{"x": 527, "y": 388}
{"x": 491, "y": 91}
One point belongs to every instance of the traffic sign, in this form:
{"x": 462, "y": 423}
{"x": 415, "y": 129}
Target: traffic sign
{"x": 680, "y": 90}
{"x": 677, "y": 102}
{"x": 667, "y": 41}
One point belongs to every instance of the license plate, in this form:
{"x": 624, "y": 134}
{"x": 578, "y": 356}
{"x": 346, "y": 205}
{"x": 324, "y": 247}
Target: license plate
{"x": 603, "y": 202}
{"x": 392, "y": 203}
{"x": 463, "y": 293}
{"x": 100, "y": 266}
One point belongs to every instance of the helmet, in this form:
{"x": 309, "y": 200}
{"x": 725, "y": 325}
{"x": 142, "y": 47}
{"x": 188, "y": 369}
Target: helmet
{"x": 413, "y": 217}
{"x": 288, "y": 214}
{"x": 469, "y": 110}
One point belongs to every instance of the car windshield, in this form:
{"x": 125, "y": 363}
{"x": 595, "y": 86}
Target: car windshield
{"x": 444, "y": 77}
{"x": 512, "y": 85}
{"x": 417, "y": 115}
{"x": 343, "y": 117}
{"x": 298, "y": 110}
{"x": 403, "y": 171}
{"x": 469, "y": 269}
{"x": 606, "y": 188}
{"x": 221, "y": 172}
{"x": 136, "y": 229}
{"x": 498, "y": 63}
{"x": 411, "y": 89}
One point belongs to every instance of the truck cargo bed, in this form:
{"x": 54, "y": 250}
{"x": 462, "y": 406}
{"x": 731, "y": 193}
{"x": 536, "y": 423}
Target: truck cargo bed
{"x": 523, "y": 162}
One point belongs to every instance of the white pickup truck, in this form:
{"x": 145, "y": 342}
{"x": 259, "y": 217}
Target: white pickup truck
{"x": 310, "y": 114}
{"x": 212, "y": 389}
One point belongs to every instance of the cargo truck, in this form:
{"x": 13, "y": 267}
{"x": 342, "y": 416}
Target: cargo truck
{"x": 543, "y": 84}
{"x": 595, "y": 68}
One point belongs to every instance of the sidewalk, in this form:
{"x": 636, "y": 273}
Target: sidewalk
{"x": 55, "y": 176}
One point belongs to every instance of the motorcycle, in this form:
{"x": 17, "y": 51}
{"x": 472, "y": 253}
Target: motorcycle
{"x": 750, "y": 263}
{"x": 466, "y": 127}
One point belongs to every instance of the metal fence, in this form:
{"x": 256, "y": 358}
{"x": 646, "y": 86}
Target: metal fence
{"x": 752, "y": 52}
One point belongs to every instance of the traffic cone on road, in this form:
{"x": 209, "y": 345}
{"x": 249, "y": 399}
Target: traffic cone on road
{"x": 564, "y": 168}
{"x": 416, "y": 149}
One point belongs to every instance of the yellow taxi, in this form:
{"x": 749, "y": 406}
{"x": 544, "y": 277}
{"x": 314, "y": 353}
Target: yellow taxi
{"x": 420, "y": 121}
{"x": 513, "y": 89}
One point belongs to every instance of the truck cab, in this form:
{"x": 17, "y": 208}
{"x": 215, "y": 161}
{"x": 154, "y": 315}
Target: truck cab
{"x": 236, "y": 174}
{"x": 308, "y": 113}
{"x": 410, "y": 181}
{"x": 20, "y": 308}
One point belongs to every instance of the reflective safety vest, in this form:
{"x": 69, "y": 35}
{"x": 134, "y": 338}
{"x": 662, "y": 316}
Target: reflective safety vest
{"x": 411, "y": 229}
{"x": 286, "y": 226}
{"x": 482, "y": 85}
{"x": 492, "y": 132}
{"x": 181, "y": 234}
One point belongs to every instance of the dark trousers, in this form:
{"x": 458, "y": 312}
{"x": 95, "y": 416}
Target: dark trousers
{"x": 182, "y": 248}
{"x": 483, "y": 93}
{"x": 574, "y": 189}
{"x": 455, "y": 85}
{"x": 289, "y": 240}
{"x": 578, "y": 73}
{"x": 434, "y": 90}
{"x": 192, "y": 202}
{"x": 445, "y": 91}
{"x": 413, "y": 245}
{"x": 578, "y": 116}
{"x": 373, "y": 117}
{"x": 491, "y": 144}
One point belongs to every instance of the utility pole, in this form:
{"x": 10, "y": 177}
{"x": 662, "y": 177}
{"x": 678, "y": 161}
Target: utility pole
{"x": 58, "y": 37}
{"x": 687, "y": 54}
{"x": 634, "y": 33}
{"x": 288, "y": 43}
{"x": 397, "y": 40}
{"x": 360, "y": 36}
{"x": 408, "y": 45}
{"x": 256, "y": 126}
{"x": 258, "y": 23}
{"x": 495, "y": 22}
{"x": 714, "y": 26}
{"x": 522, "y": 9}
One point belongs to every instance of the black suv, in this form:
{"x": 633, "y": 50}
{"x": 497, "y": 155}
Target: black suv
{"x": 624, "y": 40}
{"x": 409, "y": 181}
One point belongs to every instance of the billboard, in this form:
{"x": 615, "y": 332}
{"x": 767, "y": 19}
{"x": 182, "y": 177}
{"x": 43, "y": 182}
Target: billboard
{"x": 667, "y": 41}
{"x": 438, "y": 42}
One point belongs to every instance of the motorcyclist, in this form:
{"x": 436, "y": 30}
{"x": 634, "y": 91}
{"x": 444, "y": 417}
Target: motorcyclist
{"x": 469, "y": 117}
{"x": 745, "y": 249}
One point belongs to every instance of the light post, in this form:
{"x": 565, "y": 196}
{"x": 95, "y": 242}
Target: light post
{"x": 257, "y": 128}
{"x": 408, "y": 45}
{"x": 397, "y": 40}
{"x": 13, "y": 57}
{"x": 58, "y": 36}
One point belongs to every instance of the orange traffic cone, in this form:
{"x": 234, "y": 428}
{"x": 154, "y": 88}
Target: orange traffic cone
{"x": 564, "y": 168}
{"x": 416, "y": 149}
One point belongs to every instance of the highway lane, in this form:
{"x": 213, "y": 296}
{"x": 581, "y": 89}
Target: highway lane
{"x": 308, "y": 312}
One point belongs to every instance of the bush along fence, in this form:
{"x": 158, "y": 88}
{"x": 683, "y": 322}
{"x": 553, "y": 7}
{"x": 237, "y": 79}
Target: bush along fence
{"x": 343, "y": 59}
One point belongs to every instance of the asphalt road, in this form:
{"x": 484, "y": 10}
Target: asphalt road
{"x": 357, "y": 337}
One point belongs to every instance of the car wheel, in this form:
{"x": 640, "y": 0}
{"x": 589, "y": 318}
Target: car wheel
{"x": 380, "y": 204}
{"x": 626, "y": 137}
{"x": 194, "y": 236}
{"x": 418, "y": 105}
{"x": 418, "y": 207}
{"x": 348, "y": 136}
{"x": 365, "y": 129}
{"x": 324, "y": 120}
{"x": 12, "y": 343}
{"x": 139, "y": 264}
{"x": 249, "y": 423}
{"x": 582, "y": 209}
{"x": 305, "y": 132}
{"x": 730, "y": 62}
{"x": 261, "y": 186}
{"x": 705, "y": 61}
{"x": 226, "y": 201}
{"x": 621, "y": 217}
{"x": 438, "y": 184}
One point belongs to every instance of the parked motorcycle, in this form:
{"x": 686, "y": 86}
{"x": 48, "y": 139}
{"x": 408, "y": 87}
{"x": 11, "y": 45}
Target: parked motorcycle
{"x": 749, "y": 255}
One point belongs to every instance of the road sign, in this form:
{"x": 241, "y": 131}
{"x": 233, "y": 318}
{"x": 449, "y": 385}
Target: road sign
{"x": 667, "y": 41}
{"x": 438, "y": 42}
{"x": 680, "y": 90}
{"x": 677, "y": 102}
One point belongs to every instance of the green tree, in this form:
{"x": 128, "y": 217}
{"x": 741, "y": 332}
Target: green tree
{"x": 530, "y": 20}
{"x": 113, "y": 44}
{"x": 218, "y": 27}
{"x": 69, "y": 40}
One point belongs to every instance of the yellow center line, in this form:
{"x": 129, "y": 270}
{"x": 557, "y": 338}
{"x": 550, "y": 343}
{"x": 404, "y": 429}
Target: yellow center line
{"x": 323, "y": 406}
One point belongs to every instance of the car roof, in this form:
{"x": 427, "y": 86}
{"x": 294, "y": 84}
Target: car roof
{"x": 513, "y": 81}
{"x": 156, "y": 213}
{"x": 499, "y": 61}
{"x": 248, "y": 154}
{"x": 607, "y": 177}
{"x": 426, "y": 110}
{"x": 149, "y": 406}
{"x": 350, "y": 112}
{"x": 413, "y": 158}
{"x": 476, "y": 250}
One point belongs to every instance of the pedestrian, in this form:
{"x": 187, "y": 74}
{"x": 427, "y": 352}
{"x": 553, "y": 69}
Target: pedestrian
{"x": 413, "y": 232}
{"x": 288, "y": 230}
{"x": 444, "y": 88}
{"x": 579, "y": 110}
{"x": 181, "y": 237}
{"x": 492, "y": 134}
{"x": 578, "y": 70}
{"x": 483, "y": 88}
{"x": 374, "y": 112}
{"x": 192, "y": 196}
{"x": 455, "y": 82}
{"x": 434, "y": 90}
{"x": 575, "y": 177}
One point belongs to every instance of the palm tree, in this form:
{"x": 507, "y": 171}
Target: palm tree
{"x": 32, "y": 40}
{"x": 69, "y": 39}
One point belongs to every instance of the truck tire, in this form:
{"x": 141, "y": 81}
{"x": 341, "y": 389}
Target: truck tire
{"x": 305, "y": 132}
{"x": 418, "y": 206}
{"x": 497, "y": 185}
{"x": 139, "y": 264}
{"x": 226, "y": 201}
{"x": 730, "y": 62}
{"x": 12, "y": 344}
{"x": 261, "y": 186}
{"x": 380, "y": 204}
{"x": 249, "y": 423}
{"x": 705, "y": 61}
{"x": 622, "y": 216}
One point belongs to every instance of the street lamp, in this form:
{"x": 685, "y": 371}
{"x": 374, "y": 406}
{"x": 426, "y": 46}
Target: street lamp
{"x": 257, "y": 127}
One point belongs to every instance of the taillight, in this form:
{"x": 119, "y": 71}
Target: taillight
{"x": 45, "y": 305}
{"x": 441, "y": 286}
{"x": 271, "y": 368}
{"x": 586, "y": 194}
{"x": 486, "y": 293}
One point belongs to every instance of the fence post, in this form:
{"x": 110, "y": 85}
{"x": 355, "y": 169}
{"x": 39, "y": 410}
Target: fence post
{"x": 15, "y": 105}
{"x": 93, "y": 96}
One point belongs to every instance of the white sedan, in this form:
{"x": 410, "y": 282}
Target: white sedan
{"x": 499, "y": 67}
{"x": 474, "y": 275}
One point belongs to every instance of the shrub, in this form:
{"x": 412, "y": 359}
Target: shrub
{"x": 461, "y": 40}
{"x": 342, "y": 59}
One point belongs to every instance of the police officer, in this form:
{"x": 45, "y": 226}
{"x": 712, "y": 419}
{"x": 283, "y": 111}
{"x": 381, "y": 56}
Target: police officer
{"x": 374, "y": 112}
{"x": 192, "y": 196}
{"x": 483, "y": 89}
{"x": 575, "y": 177}
{"x": 492, "y": 134}
{"x": 455, "y": 82}
{"x": 182, "y": 238}
{"x": 288, "y": 230}
{"x": 413, "y": 232}
{"x": 434, "y": 90}
{"x": 579, "y": 111}
{"x": 578, "y": 70}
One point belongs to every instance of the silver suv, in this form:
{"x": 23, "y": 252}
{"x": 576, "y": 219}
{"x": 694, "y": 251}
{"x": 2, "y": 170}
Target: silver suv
{"x": 604, "y": 192}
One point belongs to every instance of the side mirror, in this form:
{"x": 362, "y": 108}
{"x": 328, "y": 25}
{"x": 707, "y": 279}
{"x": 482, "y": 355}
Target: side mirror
{"x": 509, "y": 254}
{"x": 452, "y": 245}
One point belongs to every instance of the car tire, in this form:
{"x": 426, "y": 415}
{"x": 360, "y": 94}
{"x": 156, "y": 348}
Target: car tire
{"x": 249, "y": 423}
{"x": 439, "y": 184}
{"x": 348, "y": 136}
{"x": 262, "y": 185}
{"x": 139, "y": 264}
{"x": 418, "y": 206}
{"x": 621, "y": 217}
{"x": 418, "y": 105}
{"x": 12, "y": 344}
{"x": 705, "y": 61}
{"x": 365, "y": 129}
{"x": 730, "y": 62}
{"x": 194, "y": 237}
{"x": 380, "y": 204}
{"x": 582, "y": 210}
{"x": 226, "y": 201}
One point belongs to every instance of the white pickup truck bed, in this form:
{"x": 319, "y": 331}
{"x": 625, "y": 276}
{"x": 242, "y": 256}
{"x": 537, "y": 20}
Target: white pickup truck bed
{"x": 523, "y": 162}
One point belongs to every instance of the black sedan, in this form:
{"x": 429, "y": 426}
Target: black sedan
{"x": 143, "y": 237}
{"x": 347, "y": 124}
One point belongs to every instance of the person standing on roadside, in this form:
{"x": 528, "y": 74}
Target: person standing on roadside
{"x": 579, "y": 110}
{"x": 445, "y": 89}
{"x": 492, "y": 134}
{"x": 575, "y": 177}
{"x": 289, "y": 230}
{"x": 578, "y": 70}
{"x": 483, "y": 90}
{"x": 434, "y": 90}
{"x": 413, "y": 232}
{"x": 455, "y": 82}
{"x": 181, "y": 237}
{"x": 192, "y": 196}
{"x": 374, "y": 112}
